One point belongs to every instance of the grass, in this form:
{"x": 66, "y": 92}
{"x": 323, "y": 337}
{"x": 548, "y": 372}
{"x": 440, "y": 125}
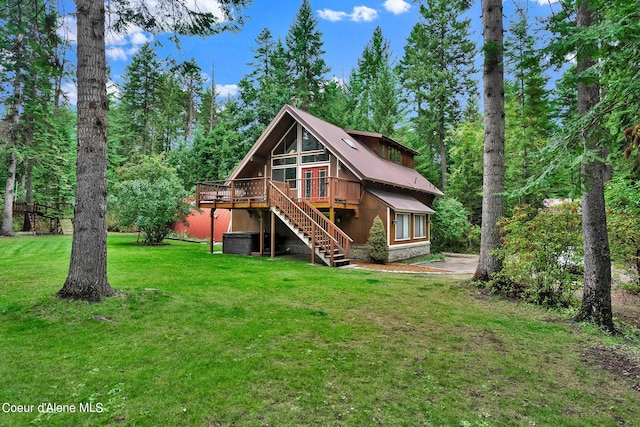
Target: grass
{"x": 197, "y": 339}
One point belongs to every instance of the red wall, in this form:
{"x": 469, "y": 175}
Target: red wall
{"x": 200, "y": 224}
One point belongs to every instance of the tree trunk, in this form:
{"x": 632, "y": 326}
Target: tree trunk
{"x": 9, "y": 195}
{"x": 28, "y": 186}
{"x": 596, "y": 299}
{"x": 494, "y": 122}
{"x": 443, "y": 152}
{"x": 87, "y": 279}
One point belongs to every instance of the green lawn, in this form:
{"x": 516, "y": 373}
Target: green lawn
{"x": 197, "y": 339}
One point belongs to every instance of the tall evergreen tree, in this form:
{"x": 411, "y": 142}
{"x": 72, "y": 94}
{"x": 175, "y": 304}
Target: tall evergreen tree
{"x": 528, "y": 121}
{"x": 191, "y": 80}
{"x": 436, "y": 72}
{"x": 305, "y": 53}
{"x": 265, "y": 89}
{"x": 596, "y": 298}
{"x": 87, "y": 278}
{"x": 493, "y": 170}
{"x": 139, "y": 98}
{"x": 375, "y": 88}
{"x": 28, "y": 45}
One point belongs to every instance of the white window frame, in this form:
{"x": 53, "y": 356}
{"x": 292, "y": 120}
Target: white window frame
{"x": 419, "y": 225}
{"x": 406, "y": 234}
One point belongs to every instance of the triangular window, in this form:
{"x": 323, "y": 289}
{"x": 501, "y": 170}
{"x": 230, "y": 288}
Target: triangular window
{"x": 288, "y": 144}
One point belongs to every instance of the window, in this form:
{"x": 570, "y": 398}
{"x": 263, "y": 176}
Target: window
{"x": 402, "y": 226}
{"x": 289, "y": 143}
{"x": 394, "y": 155}
{"x": 322, "y": 183}
{"x": 309, "y": 142}
{"x": 314, "y": 158}
{"x": 282, "y": 161}
{"x": 419, "y": 226}
{"x": 308, "y": 184}
{"x": 285, "y": 175}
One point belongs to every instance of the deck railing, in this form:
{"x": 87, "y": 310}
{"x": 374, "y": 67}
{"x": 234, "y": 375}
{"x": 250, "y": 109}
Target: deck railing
{"x": 329, "y": 189}
{"x": 59, "y": 211}
{"x": 232, "y": 191}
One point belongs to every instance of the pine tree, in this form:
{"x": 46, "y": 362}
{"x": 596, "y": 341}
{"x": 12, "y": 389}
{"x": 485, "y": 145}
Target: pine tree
{"x": 493, "y": 170}
{"x": 304, "y": 47}
{"x": 375, "y": 88}
{"x": 596, "y": 298}
{"x": 189, "y": 76}
{"x": 528, "y": 121}
{"x": 87, "y": 278}
{"x": 264, "y": 90}
{"x": 139, "y": 98}
{"x": 436, "y": 73}
{"x": 28, "y": 48}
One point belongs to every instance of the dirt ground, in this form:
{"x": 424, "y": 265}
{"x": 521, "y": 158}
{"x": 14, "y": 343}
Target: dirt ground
{"x": 452, "y": 264}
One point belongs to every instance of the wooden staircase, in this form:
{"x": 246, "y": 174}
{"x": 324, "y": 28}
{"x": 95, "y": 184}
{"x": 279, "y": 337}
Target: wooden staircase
{"x": 324, "y": 238}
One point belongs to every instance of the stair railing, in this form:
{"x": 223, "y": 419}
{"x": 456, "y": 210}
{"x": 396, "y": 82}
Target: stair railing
{"x": 343, "y": 241}
{"x": 304, "y": 217}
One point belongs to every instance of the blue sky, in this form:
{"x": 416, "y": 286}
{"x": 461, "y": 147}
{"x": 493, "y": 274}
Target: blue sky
{"x": 346, "y": 25}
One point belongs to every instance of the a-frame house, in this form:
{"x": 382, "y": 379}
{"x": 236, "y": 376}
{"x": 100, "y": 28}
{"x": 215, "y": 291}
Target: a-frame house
{"x": 307, "y": 186}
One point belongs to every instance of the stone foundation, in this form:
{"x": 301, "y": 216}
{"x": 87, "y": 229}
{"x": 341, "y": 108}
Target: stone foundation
{"x": 396, "y": 252}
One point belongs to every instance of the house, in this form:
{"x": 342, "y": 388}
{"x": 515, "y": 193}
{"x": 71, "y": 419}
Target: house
{"x": 308, "y": 186}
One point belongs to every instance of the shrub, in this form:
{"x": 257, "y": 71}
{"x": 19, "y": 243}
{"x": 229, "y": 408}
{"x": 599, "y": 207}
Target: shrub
{"x": 451, "y": 229}
{"x": 151, "y": 199}
{"x": 623, "y": 223}
{"x": 541, "y": 254}
{"x": 377, "y": 242}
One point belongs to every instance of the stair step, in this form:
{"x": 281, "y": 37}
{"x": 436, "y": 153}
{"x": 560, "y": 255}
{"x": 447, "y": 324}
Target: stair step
{"x": 341, "y": 262}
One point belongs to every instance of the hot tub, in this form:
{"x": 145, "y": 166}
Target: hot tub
{"x": 240, "y": 242}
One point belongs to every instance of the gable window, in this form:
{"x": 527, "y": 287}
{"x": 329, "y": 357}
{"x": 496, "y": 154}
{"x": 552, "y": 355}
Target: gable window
{"x": 419, "y": 226}
{"x": 390, "y": 153}
{"x": 289, "y": 143}
{"x": 403, "y": 226}
{"x": 309, "y": 142}
{"x": 394, "y": 155}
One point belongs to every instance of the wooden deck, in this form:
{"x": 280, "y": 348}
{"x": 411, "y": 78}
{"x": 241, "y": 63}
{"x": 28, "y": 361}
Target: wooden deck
{"x": 322, "y": 193}
{"x": 53, "y": 212}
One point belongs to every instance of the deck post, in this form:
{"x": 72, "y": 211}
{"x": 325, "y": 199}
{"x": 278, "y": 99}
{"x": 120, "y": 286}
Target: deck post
{"x": 313, "y": 243}
{"x": 273, "y": 235}
{"x": 261, "y": 213}
{"x": 211, "y": 237}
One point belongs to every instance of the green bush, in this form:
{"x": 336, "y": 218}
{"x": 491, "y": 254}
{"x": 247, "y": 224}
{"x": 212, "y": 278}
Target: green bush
{"x": 151, "y": 198}
{"x": 541, "y": 254}
{"x": 377, "y": 242}
{"x": 451, "y": 230}
{"x": 623, "y": 223}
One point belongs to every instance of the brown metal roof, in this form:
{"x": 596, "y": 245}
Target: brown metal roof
{"x": 402, "y": 202}
{"x": 386, "y": 139}
{"x": 362, "y": 161}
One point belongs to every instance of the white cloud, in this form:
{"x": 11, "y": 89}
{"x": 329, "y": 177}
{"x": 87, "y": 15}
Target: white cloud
{"x": 358, "y": 14}
{"x": 67, "y": 30}
{"x": 363, "y": 14}
{"x": 547, "y": 2}
{"x": 396, "y": 6}
{"x": 227, "y": 90}
{"x": 116, "y": 53}
{"x": 332, "y": 15}
{"x": 70, "y": 91}
{"x": 140, "y": 38}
